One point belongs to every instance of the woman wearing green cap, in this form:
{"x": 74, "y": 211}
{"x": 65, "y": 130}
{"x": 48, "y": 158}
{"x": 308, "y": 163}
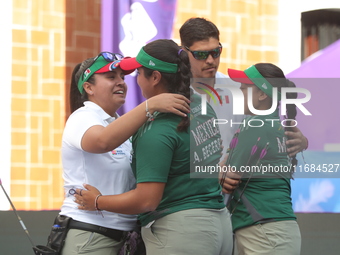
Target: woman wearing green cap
{"x": 96, "y": 150}
{"x": 179, "y": 214}
{"x": 260, "y": 205}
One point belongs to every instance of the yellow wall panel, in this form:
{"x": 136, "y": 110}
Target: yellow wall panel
{"x": 19, "y": 104}
{"x": 40, "y": 37}
{"x": 18, "y": 155}
{"x": 57, "y": 6}
{"x": 49, "y": 156}
{"x": 19, "y": 87}
{"x": 59, "y": 40}
{"x": 35, "y": 21}
{"x": 18, "y": 173}
{"x": 227, "y": 22}
{"x": 271, "y": 56}
{"x": 38, "y": 95}
{"x": 34, "y": 54}
{"x": 38, "y": 173}
{"x": 34, "y": 147}
{"x": 19, "y": 70}
{"x": 18, "y": 121}
{"x": 57, "y": 136}
{"x": 270, "y": 9}
{"x": 58, "y": 112}
{"x": 21, "y": 17}
{"x": 59, "y": 72}
{"x": 35, "y": 122}
{"x": 46, "y": 137}
{"x": 18, "y": 138}
{"x": 35, "y": 78}
{"x": 270, "y": 24}
{"x": 20, "y": 4}
{"x": 51, "y": 88}
{"x": 20, "y": 53}
{"x": 40, "y": 105}
{"x": 238, "y": 7}
{"x": 271, "y": 40}
{"x": 19, "y": 36}
{"x": 47, "y": 6}
{"x": 254, "y": 56}
{"x": 18, "y": 190}
{"x": 256, "y": 39}
{"x": 51, "y": 21}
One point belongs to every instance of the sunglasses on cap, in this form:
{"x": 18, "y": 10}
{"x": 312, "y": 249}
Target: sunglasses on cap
{"x": 109, "y": 57}
{"x": 100, "y": 65}
{"x": 204, "y": 54}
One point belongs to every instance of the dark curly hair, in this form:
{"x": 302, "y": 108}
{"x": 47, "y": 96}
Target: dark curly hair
{"x": 169, "y": 51}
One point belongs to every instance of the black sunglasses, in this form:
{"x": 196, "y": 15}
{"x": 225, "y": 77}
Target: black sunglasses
{"x": 204, "y": 54}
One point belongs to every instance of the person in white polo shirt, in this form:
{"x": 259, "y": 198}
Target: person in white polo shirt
{"x": 96, "y": 150}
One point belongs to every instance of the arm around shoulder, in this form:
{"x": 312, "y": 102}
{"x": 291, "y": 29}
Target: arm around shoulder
{"x": 99, "y": 139}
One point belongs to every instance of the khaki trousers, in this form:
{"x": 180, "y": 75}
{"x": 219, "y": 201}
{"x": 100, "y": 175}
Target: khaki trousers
{"x": 90, "y": 243}
{"x": 194, "y": 231}
{"x": 273, "y": 238}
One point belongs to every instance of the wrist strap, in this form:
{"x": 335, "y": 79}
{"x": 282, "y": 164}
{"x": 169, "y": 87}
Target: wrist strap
{"x": 148, "y": 114}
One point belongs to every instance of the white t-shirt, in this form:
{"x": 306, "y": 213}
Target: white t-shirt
{"x": 109, "y": 172}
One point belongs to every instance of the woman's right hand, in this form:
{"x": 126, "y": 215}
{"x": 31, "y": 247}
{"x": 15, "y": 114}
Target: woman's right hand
{"x": 169, "y": 102}
{"x": 231, "y": 182}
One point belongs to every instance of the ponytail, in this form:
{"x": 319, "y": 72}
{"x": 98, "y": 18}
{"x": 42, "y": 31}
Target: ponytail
{"x": 76, "y": 98}
{"x": 179, "y": 83}
{"x": 291, "y": 108}
{"x": 183, "y": 77}
{"x": 291, "y": 114}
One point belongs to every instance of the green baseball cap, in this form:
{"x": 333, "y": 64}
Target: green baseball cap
{"x": 144, "y": 59}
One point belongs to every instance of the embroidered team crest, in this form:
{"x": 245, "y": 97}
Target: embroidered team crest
{"x": 87, "y": 72}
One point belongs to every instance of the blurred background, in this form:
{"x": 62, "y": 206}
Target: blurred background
{"x": 43, "y": 40}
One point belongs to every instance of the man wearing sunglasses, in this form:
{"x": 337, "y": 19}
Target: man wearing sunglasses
{"x": 200, "y": 38}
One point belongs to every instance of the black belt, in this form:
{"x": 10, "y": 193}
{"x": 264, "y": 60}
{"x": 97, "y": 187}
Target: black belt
{"x": 109, "y": 232}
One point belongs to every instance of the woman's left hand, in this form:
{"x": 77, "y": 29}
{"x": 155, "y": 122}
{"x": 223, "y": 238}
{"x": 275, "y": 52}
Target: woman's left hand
{"x": 296, "y": 141}
{"x": 169, "y": 102}
{"x": 85, "y": 198}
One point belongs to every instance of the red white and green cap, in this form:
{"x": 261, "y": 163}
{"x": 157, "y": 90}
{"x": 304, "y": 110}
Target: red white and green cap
{"x": 252, "y": 76}
{"x": 144, "y": 59}
{"x": 103, "y": 63}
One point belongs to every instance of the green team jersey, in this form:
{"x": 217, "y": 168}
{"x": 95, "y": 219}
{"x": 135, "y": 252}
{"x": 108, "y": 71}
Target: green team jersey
{"x": 162, "y": 154}
{"x": 267, "y": 195}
